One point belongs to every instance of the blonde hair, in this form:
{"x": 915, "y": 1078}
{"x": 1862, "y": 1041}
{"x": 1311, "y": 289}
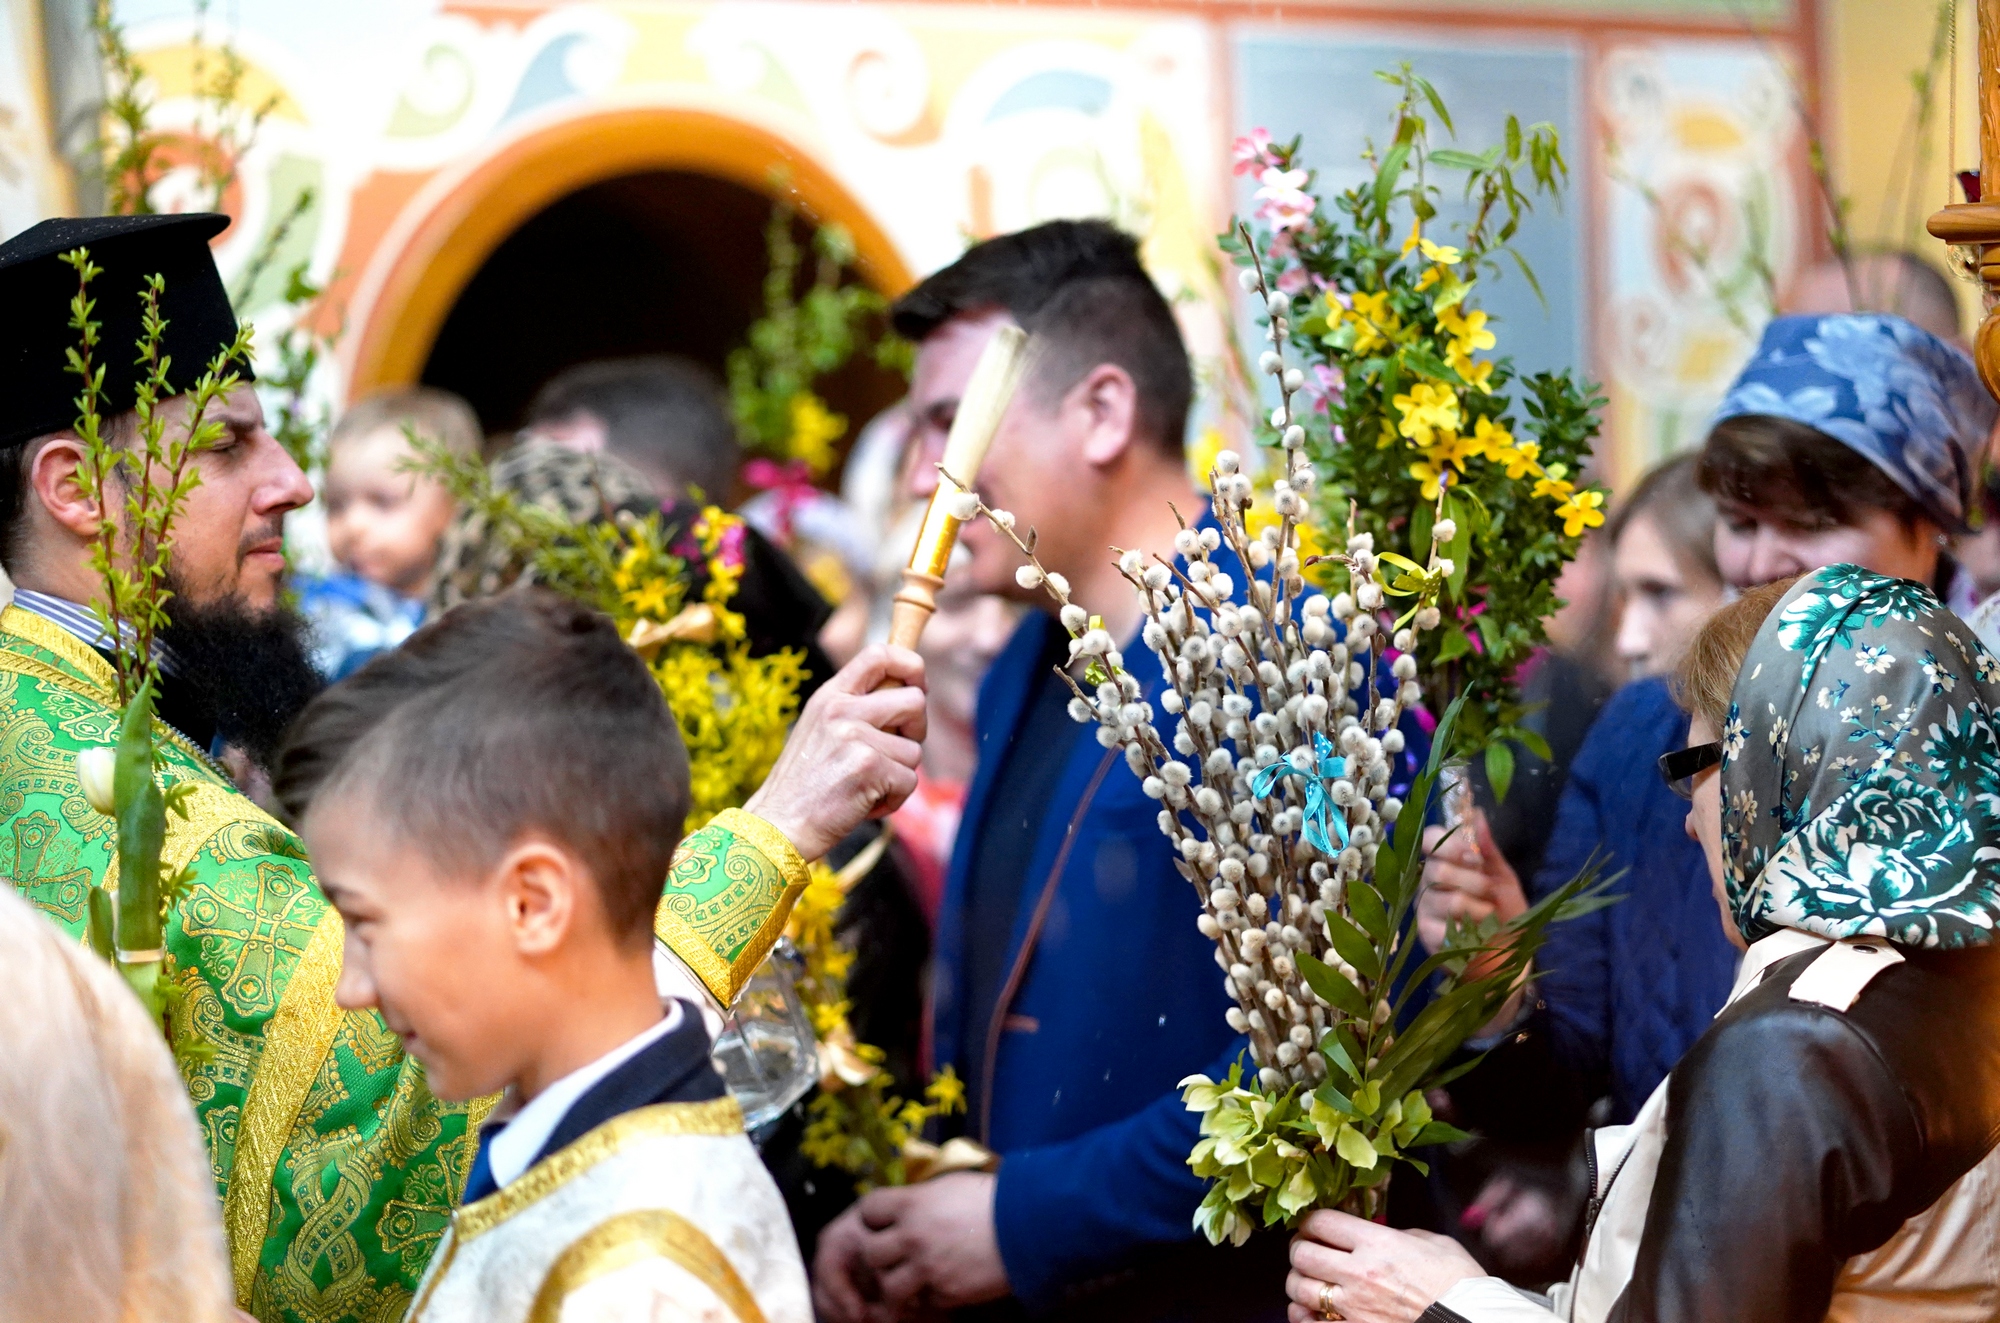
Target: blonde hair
{"x": 436, "y": 415}
{"x": 1706, "y": 676}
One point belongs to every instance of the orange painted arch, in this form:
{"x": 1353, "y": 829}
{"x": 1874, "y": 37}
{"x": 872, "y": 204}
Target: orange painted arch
{"x": 501, "y": 193}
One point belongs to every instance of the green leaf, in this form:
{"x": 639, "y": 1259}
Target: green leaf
{"x": 1513, "y": 138}
{"x": 1528, "y": 273}
{"x": 1460, "y": 547}
{"x": 1328, "y": 1098}
{"x": 1388, "y": 174}
{"x": 101, "y": 922}
{"x": 1334, "y": 1048}
{"x": 1453, "y": 159}
{"x": 1355, "y": 1149}
{"x": 1500, "y": 769}
{"x": 1420, "y": 527}
{"x": 1354, "y": 947}
{"x": 1429, "y": 365}
{"x": 1365, "y": 904}
{"x": 1439, "y": 1132}
{"x": 1436, "y": 102}
{"x": 1332, "y": 985}
{"x": 1453, "y": 646}
{"x": 1534, "y": 743}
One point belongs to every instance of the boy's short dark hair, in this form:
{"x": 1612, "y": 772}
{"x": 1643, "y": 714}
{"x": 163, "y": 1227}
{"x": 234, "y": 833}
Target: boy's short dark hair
{"x": 1078, "y": 287}
{"x": 1797, "y": 472}
{"x": 519, "y": 714}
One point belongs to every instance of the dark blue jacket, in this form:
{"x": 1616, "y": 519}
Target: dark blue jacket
{"x": 1629, "y": 988}
{"x": 1115, "y": 998}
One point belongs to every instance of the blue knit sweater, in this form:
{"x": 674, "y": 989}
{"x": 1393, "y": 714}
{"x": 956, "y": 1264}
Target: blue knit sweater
{"x": 1630, "y": 987}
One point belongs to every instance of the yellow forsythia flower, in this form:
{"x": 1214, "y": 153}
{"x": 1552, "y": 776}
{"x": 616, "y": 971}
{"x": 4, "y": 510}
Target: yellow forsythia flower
{"x": 1432, "y": 476}
{"x": 1580, "y": 511}
{"x": 814, "y": 430}
{"x": 1429, "y": 407}
{"x": 1554, "y": 484}
{"x": 1376, "y": 324}
{"x": 1477, "y": 375}
{"x": 1467, "y": 329}
{"x": 947, "y": 1092}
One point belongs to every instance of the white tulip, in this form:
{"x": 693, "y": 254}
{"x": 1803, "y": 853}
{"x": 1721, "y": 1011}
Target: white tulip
{"x": 96, "y": 768}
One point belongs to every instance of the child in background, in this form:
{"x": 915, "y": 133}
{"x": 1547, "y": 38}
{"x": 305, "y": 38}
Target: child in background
{"x": 383, "y": 523}
{"x": 492, "y": 809}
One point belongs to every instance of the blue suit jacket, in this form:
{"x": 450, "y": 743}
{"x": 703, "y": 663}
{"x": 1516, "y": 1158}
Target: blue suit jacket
{"x": 1628, "y": 989}
{"x": 1115, "y": 997}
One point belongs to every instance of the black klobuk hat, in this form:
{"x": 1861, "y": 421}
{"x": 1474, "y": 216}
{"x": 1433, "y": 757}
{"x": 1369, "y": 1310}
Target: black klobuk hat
{"x": 38, "y": 392}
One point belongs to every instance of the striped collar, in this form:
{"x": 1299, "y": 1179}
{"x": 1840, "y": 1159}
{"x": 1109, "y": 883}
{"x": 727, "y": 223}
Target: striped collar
{"x": 83, "y": 622}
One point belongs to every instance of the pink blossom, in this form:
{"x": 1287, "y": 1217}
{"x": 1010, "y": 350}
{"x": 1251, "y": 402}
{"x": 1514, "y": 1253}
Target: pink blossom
{"x": 1283, "y": 200}
{"x": 1252, "y": 151}
{"x": 1323, "y": 385}
{"x": 1294, "y": 280}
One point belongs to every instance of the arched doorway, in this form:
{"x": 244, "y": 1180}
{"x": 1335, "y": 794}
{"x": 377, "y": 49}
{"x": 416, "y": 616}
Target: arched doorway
{"x": 638, "y": 230}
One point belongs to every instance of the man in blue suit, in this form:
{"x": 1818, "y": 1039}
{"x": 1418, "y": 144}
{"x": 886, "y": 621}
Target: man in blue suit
{"x": 1072, "y": 989}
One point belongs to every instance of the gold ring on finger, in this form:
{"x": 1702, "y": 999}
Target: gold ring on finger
{"x": 1326, "y": 1309}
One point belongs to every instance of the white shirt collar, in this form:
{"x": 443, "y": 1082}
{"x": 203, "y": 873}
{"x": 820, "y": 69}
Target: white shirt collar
{"x": 1766, "y": 952}
{"x": 81, "y": 621}
{"x": 513, "y": 1150}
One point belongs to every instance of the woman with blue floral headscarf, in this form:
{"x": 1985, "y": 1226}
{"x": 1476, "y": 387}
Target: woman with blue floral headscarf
{"x": 1852, "y": 437}
{"x": 1827, "y": 1150}
{"x": 1846, "y": 438}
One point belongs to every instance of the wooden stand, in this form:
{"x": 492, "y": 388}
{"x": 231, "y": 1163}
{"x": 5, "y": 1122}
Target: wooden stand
{"x": 1978, "y": 223}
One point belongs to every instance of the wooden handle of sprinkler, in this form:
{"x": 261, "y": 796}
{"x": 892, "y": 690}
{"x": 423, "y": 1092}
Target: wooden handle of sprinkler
{"x": 912, "y": 607}
{"x": 987, "y": 395}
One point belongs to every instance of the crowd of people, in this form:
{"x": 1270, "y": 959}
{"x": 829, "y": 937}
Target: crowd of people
{"x": 431, "y": 806}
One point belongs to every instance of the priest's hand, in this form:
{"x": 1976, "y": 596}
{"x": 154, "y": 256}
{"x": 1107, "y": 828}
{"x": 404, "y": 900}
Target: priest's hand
{"x": 912, "y": 1249}
{"x": 853, "y": 754}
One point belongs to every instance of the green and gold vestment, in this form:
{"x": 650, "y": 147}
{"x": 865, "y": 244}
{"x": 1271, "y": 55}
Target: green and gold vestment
{"x": 337, "y": 1169}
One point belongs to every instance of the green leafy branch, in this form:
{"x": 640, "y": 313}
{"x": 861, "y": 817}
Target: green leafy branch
{"x": 1418, "y": 424}
{"x": 131, "y": 150}
{"x": 1274, "y": 1155}
{"x": 801, "y": 339}
{"x": 138, "y": 490}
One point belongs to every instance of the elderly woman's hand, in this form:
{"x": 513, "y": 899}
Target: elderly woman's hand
{"x": 1344, "y": 1267}
{"x": 1467, "y": 879}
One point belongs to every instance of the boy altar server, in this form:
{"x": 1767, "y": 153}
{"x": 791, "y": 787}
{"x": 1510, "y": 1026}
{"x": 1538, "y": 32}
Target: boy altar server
{"x": 491, "y": 809}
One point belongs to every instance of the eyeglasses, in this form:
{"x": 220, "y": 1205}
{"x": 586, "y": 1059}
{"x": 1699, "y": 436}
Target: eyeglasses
{"x": 1679, "y": 768}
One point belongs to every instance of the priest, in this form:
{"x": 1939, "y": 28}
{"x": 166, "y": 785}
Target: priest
{"x": 336, "y": 1168}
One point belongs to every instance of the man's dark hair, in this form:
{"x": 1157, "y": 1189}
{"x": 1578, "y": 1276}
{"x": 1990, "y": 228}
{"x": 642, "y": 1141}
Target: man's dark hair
{"x": 667, "y": 417}
{"x": 513, "y": 715}
{"x": 1798, "y": 472}
{"x": 1078, "y": 287}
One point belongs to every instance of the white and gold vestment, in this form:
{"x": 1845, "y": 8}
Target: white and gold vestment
{"x": 664, "y": 1213}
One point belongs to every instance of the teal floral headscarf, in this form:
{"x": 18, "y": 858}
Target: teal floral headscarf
{"x": 1861, "y": 768}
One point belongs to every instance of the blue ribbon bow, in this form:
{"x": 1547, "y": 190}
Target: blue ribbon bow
{"x": 1320, "y": 808}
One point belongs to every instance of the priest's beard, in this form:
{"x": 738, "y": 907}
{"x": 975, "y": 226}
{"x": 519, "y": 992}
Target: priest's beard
{"x": 251, "y": 670}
